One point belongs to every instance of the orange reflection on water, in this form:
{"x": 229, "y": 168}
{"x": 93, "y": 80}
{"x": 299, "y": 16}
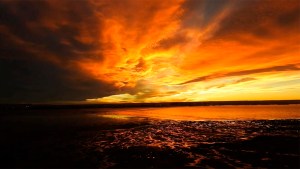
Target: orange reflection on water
{"x": 198, "y": 113}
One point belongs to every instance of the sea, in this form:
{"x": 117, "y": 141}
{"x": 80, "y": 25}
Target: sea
{"x": 231, "y": 136}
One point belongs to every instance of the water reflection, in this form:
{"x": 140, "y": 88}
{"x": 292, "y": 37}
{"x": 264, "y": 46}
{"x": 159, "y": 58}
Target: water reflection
{"x": 115, "y": 116}
{"x": 249, "y": 112}
{"x": 206, "y": 144}
{"x": 207, "y": 137}
{"x": 179, "y": 137}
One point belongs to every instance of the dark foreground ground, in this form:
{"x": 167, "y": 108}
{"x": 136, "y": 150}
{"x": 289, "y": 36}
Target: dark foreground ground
{"x": 63, "y": 139}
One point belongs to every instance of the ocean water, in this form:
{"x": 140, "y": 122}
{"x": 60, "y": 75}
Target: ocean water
{"x": 266, "y": 136}
{"x": 203, "y": 113}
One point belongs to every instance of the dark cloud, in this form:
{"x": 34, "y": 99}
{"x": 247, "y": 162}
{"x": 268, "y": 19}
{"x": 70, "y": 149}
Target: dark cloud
{"x": 246, "y": 79}
{"x": 265, "y": 19}
{"x": 289, "y": 67}
{"x": 200, "y": 13}
{"x": 39, "y": 42}
{"x": 38, "y": 81}
{"x": 53, "y": 28}
{"x": 175, "y": 40}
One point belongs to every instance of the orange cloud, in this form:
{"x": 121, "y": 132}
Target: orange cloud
{"x": 182, "y": 42}
{"x": 290, "y": 67}
{"x": 130, "y": 31}
{"x": 152, "y": 50}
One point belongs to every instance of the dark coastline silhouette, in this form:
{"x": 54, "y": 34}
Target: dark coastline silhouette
{"x": 128, "y": 105}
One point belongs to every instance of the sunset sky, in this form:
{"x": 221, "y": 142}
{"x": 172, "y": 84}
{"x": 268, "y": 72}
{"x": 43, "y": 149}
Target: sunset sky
{"x": 99, "y": 51}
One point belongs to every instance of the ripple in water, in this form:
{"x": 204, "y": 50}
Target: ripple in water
{"x": 169, "y": 143}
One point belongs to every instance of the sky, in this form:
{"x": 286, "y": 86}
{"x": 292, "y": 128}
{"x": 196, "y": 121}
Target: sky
{"x": 127, "y": 51}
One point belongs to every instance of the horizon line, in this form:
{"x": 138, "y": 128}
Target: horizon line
{"x": 156, "y": 104}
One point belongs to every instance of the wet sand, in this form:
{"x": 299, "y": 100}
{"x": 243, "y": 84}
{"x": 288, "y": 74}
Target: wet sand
{"x": 85, "y": 139}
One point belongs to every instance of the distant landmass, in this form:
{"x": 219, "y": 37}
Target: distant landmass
{"x": 128, "y": 105}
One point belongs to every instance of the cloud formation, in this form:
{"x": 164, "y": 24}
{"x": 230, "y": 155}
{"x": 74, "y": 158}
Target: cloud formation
{"x": 290, "y": 67}
{"x": 148, "y": 51}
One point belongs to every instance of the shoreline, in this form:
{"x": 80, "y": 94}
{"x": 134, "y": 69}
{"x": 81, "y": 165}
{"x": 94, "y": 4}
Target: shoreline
{"x": 143, "y": 105}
